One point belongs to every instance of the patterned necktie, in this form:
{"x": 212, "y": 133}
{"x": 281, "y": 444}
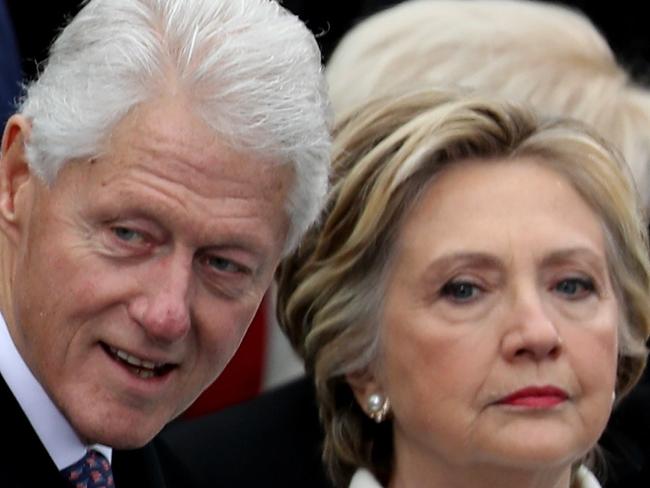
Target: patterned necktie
{"x": 91, "y": 471}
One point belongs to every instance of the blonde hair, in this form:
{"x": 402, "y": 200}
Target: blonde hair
{"x": 542, "y": 54}
{"x": 386, "y": 153}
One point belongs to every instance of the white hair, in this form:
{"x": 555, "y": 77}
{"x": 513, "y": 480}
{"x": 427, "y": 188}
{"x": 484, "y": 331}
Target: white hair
{"x": 543, "y": 54}
{"x": 251, "y": 69}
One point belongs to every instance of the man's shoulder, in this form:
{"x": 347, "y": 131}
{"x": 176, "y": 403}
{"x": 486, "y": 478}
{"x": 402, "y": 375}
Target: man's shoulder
{"x": 151, "y": 466}
{"x": 274, "y": 439}
{"x": 290, "y": 405}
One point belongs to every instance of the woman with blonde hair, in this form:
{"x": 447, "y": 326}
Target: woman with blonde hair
{"x": 474, "y": 299}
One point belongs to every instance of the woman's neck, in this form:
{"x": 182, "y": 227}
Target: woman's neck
{"x": 410, "y": 472}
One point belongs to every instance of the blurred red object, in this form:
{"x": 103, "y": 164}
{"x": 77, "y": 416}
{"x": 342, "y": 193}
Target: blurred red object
{"x": 242, "y": 378}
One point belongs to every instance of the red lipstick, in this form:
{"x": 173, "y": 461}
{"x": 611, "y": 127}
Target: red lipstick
{"x": 535, "y": 397}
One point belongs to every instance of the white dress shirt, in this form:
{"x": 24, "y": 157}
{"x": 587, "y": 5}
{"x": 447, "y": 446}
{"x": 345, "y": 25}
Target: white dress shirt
{"x": 364, "y": 479}
{"x": 54, "y": 431}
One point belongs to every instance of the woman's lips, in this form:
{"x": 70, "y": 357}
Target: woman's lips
{"x": 535, "y": 397}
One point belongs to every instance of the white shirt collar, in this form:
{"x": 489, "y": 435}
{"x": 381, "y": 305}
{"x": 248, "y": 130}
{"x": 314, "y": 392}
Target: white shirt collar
{"x": 364, "y": 479}
{"x": 52, "y": 428}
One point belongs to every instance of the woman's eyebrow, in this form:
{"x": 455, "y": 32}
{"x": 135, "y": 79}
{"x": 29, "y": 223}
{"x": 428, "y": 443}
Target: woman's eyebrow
{"x": 573, "y": 254}
{"x": 475, "y": 259}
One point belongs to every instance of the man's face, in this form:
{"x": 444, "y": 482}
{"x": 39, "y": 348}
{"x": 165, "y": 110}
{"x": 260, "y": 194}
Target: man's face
{"x": 135, "y": 275}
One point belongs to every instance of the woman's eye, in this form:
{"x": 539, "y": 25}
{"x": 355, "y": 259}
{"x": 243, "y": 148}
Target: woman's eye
{"x": 574, "y": 288}
{"x": 460, "y": 291}
{"x": 127, "y": 235}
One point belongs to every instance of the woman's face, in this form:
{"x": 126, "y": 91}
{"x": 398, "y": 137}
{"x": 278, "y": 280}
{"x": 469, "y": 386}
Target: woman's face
{"x": 499, "y": 334}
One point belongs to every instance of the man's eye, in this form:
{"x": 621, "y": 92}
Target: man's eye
{"x": 574, "y": 288}
{"x": 127, "y": 235}
{"x": 223, "y": 265}
{"x": 460, "y": 291}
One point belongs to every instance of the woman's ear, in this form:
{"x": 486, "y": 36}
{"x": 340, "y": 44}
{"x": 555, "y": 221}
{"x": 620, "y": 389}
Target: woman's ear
{"x": 14, "y": 173}
{"x": 364, "y": 385}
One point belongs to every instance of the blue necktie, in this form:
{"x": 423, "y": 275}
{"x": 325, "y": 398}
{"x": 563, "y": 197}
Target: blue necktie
{"x": 91, "y": 471}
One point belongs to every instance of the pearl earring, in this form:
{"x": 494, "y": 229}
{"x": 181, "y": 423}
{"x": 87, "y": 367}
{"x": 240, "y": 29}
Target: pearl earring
{"x": 378, "y": 407}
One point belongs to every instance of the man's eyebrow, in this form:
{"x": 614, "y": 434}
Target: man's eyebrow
{"x": 217, "y": 240}
{"x": 236, "y": 243}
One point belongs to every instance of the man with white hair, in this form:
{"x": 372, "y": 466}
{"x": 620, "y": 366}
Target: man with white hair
{"x": 167, "y": 157}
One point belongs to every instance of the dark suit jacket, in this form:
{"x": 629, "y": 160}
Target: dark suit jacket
{"x": 271, "y": 441}
{"x": 626, "y": 441}
{"x": 25, "y": 463}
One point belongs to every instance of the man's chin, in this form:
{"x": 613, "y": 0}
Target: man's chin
{"x": 119, "y": 434}
{"x": 123, "y": 440}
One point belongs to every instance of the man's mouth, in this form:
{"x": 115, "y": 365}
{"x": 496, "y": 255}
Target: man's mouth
{"x": 140, "y": 367}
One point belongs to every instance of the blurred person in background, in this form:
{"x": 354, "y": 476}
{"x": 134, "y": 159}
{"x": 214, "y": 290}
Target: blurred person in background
{"x": 10, "y": 75}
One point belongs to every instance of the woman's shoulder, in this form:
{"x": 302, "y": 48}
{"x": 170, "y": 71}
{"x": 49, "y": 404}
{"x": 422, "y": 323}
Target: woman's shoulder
{"x": 364, "y": 479}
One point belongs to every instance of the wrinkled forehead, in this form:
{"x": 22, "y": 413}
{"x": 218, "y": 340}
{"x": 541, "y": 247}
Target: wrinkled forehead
{"x": 165, "y": 162}
{"x": 169, "y": 131}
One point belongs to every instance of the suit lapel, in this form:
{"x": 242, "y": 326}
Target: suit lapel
{"x": 24, "y": 461}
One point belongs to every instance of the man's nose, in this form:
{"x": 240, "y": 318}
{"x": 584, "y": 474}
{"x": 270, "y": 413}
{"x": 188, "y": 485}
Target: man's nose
{"x": 162, "y": 306}
{"x": 531, "y": 332}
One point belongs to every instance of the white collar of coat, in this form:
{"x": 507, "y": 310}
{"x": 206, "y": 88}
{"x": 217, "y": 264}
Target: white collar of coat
{"x": 364, "y": 479}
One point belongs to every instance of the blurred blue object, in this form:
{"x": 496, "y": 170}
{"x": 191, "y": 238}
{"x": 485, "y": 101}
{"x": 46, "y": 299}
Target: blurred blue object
{"x": 10, "y": 74}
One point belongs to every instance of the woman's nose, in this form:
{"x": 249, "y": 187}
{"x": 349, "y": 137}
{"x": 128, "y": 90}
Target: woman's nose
{"x": 531, "y": 332}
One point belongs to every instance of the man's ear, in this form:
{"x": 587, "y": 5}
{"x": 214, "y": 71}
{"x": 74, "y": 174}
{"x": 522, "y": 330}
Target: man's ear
{"x": 364, "y": 384}
{"x": 14, "y": 173}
